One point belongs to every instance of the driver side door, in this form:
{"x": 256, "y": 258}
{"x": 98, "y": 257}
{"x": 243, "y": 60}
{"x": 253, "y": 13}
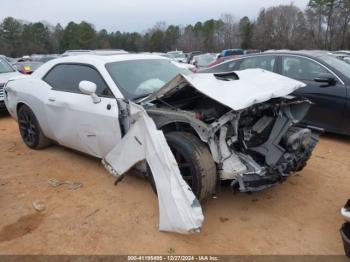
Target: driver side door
{"x": 75, "y": 120}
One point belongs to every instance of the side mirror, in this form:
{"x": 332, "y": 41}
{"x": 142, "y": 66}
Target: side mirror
{"x": 89, "y": 88}
{"x": 327, "y": 79}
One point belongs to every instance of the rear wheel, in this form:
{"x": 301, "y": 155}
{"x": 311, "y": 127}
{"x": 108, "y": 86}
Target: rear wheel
{"x": 30, "y": 130}
{"x": 195, "y": 162}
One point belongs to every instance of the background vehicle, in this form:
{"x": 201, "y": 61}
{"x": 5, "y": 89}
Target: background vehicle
{"x": 231, "y": 52}
{"x": 343, "y": 52}
{"x": 203, "y": 60}
{"x": 221, "y": 59}
{"x": 327, "y": 82}
{"x": 6, "y": 72}
{"x": 10, "y": 60}
{"x": 28, "y": 67}
{"x": 190, "y": 67}
{"x": 248, "y": 138}
{"x": 190, "y": 55}
{"x": 43, "y": 58}
{"x": 251, "y": 51}
{"x": 179, "y": 56}
{"x": 344, "y": 57}
{"x": 94, "y": 52}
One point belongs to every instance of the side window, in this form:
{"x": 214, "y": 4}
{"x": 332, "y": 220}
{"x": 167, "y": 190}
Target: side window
{"x": 226, "y": 66}
{"x": 301, "y": 68}
{"x": 263, "y": 62}
{"x": 66, "y": 77}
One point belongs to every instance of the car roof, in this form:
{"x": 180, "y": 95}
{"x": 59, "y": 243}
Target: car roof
{"x": 307, "y": 53}
{"x": 94, "y": 60}
{"x": 312, "y": 53}
{"x": 105, "y": 59}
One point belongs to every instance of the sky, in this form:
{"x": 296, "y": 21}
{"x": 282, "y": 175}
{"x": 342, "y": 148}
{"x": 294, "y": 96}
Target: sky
{"x": 133, "y": 15}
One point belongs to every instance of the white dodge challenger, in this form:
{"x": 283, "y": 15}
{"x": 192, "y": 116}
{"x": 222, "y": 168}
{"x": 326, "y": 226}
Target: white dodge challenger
{"x": 240, "y": 126}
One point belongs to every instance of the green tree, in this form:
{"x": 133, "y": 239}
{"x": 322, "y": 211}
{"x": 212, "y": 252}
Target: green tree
{"x": 10, "y": 31}
{"x": 246, "y": 32}
{"x": 208, "y": 30}
{"x": 35, "y": 39}
{"x": 325, "y": 11}
{"x": 156, "y": 41}
{"x": 171, "y": 36}
{"x": 103, "y": 40}
{"x": 56, "y": 38}
{"x": 79, "y": 36}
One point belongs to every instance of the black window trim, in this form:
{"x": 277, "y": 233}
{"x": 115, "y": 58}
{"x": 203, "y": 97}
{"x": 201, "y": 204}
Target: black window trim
{"x": 79, "y": 64}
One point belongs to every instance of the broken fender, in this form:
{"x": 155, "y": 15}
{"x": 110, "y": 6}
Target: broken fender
{"x": 179, "y": 209}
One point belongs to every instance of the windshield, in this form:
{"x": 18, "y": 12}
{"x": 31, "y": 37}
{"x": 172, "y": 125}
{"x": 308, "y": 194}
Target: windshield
{"x": 340, "y": 65}
{"x": 139, "y": 78}
{"x": 5, "y": 67}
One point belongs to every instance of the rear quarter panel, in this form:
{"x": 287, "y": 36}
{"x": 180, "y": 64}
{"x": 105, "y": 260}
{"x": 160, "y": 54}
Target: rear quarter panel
{"x": 32, "y": 92}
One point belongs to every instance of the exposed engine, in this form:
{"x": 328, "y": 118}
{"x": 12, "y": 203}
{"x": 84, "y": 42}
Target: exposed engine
{"x": 268, "y": 135}
{"x": 256, "y": 147}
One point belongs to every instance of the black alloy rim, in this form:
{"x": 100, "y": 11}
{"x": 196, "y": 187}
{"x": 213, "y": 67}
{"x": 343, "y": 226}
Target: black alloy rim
{"x": 27, "y": 128}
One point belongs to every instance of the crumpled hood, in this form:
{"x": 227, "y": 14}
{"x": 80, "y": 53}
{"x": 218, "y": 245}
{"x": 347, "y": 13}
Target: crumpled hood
{"x": 252, "y": 86}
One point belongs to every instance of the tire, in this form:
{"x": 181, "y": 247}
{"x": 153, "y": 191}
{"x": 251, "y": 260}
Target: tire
{"x": 195, "y": 162}
{"x": 30, "y": 129}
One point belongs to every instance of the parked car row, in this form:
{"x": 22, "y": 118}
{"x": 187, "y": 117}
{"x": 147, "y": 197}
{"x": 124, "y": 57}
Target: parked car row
{"x": 326, "y": 75}
{"x": 343, "y": 55}
{"x": 7, "y": 72}
{"x": 28, "y": 64}
{"x": 327, "y": 81}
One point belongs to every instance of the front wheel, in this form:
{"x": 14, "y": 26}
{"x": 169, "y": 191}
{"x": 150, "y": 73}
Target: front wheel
{"x": 30, "y": 130}
{"x": 195, "y": 162}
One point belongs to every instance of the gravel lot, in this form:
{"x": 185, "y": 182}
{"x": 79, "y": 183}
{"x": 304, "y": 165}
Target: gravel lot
{"x": 300, "y": 216}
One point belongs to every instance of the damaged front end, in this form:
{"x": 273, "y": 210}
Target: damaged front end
{"x": 255, "y": 143}
{"x": 265, "y": 143}
{"x": 231, "y": 127}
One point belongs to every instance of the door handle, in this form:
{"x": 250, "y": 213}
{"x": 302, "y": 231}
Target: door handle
{"x": 52, "y": 99}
